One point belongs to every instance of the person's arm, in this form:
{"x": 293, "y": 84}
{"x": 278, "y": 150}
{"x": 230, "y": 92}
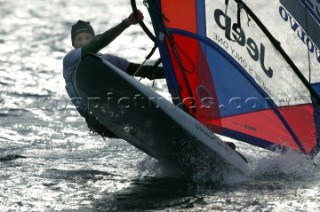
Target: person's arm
{"x": 146, "y": 71}
{"x": 107, "y": 37}
{"x": 104, "y": 39}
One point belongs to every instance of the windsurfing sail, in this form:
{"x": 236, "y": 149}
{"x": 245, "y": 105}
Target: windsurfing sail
{"x": 245, "y": 69}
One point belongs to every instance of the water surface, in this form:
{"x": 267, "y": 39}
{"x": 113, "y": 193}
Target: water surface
{"x": 49, "y": 161}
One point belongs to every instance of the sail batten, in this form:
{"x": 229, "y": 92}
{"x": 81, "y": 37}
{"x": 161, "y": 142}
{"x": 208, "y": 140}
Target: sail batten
{"x": 252, "y": 76}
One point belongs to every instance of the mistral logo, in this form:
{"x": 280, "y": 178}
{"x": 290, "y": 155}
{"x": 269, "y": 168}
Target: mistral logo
{"x": 300, "y": 32}
{"x": 256, "y": 51}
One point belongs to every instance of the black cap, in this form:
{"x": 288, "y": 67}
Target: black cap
{"x": 81, "y": 26}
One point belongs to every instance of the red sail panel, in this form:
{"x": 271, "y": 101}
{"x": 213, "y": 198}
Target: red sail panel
{"x": 301, "y": 120}
{"x": 202, "y": 102}
{"x": 265, "y": 125}
{"x": 186, "y": 20}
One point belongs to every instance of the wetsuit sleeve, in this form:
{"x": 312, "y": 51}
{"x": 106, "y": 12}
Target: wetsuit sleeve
{"x": 146, "y": 71}
{"x": 100, "y": 41}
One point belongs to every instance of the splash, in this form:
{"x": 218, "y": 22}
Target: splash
{"x": 290, "y": 164}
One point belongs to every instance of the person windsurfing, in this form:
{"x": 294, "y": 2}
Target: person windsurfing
{"x": 85, "y": 41}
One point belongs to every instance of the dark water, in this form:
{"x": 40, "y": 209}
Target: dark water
{"x": 50, "y": 162}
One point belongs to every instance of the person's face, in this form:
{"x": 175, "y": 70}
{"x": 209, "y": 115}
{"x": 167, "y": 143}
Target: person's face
{"x": 82, "y": 39}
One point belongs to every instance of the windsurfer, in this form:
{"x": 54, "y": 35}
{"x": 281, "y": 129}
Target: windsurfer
{"x": 85, "y": 41}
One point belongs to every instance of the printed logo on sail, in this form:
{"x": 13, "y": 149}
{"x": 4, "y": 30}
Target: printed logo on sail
{"x": 300, "y": 32}
{"x": 256, "y": 51}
